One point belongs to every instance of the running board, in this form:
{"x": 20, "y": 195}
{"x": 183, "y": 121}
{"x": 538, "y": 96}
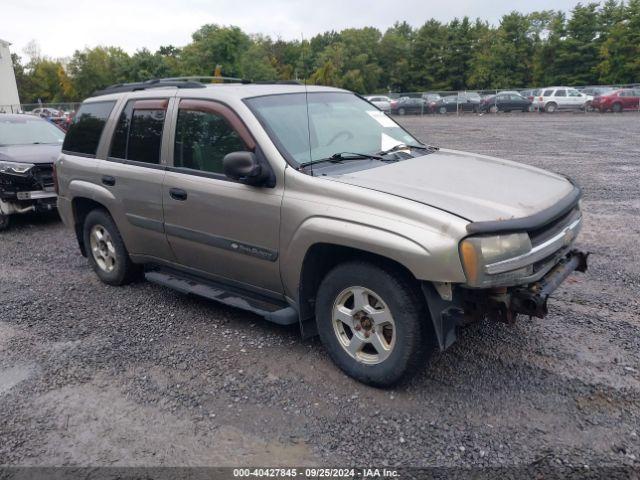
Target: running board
{"x": 274, "y": 312}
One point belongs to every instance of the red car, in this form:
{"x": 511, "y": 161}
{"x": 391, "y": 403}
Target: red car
{"x": 618, "y": 100}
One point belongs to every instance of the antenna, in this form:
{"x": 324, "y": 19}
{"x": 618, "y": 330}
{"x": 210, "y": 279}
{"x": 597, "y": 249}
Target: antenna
{"x": 306, "y": 102}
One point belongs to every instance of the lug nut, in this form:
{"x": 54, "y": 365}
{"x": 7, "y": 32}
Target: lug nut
{"x": 358, "y": 327}
{"x": 366, "y": 334}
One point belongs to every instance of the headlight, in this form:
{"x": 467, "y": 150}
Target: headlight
{"x": 478, "y": 252}
{"x": 15, "y": 167}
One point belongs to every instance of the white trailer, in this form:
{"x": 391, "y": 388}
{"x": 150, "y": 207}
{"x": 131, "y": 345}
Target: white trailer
{"x": 9, "y": 100}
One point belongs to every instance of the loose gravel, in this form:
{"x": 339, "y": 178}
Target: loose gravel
{"x": 142, "y": 375}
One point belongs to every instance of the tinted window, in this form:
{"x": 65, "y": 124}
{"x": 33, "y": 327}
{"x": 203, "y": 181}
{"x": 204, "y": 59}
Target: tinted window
{"x": 202, "y": 141}
{"x": 547, "y": 93}
{"x": 138, "y": 135}
{"x": 84, "y": 134}
{"x": 561, "y": 93}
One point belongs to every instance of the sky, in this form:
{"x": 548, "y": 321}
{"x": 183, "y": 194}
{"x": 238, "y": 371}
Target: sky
{"x": 61, "y": 27}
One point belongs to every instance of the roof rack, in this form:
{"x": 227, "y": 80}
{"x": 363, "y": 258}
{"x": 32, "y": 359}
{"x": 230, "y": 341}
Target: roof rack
{"x": 207, "y": 79}
{"x": 183, "y": 82}
{"x": 146, "y": 85}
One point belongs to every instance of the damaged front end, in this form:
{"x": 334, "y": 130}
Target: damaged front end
{"x": 26, "y": 187}
{"x": 509, "y": 272}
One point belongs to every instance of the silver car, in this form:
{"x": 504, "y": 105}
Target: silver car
{"x": 310, "y": 207}
{"x": 380, "y": 101}
{"x": 552, "y": 99}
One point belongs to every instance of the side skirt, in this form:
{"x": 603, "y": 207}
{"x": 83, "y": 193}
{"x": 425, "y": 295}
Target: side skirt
{"x": 272, "y": 310}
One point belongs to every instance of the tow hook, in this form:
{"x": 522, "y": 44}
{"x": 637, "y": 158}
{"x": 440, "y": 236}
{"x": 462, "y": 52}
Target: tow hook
{"x": 532, "y": 300}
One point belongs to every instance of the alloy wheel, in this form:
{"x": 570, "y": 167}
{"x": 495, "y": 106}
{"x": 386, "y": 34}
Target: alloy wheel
{"x": 364, "y": 325}
{"x": 102, "y": 248}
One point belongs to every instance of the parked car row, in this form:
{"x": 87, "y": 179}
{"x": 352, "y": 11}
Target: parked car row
{"x": 549, "y": 100}
{"x": 60, "y": 117}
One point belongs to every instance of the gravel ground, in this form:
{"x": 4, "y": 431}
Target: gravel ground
{"x": 141, "y": 375}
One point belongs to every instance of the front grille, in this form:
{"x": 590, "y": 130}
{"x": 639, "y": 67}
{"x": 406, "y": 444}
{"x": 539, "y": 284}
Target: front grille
{"x": 541, "y": 234}
{"x": 43, "y": 174}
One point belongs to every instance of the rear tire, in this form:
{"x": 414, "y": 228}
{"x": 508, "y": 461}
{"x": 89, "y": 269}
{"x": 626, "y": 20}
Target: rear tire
{"x": 401, "y": 111}
{"x": 442, "y": 110}
{"x": 550, "y": 107}
{"x": 493, "y": 109}
{"x": 4, "y": 222}
{"x": 616, "y": 107}
{"x": 382, "y": 338}
{"x": 106, "y": 251}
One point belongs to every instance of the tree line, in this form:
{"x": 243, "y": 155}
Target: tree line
{"x": 596, "y": 43}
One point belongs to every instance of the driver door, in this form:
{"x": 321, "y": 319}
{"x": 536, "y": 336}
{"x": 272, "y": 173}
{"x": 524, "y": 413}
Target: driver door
{"x": 217, "y": 226}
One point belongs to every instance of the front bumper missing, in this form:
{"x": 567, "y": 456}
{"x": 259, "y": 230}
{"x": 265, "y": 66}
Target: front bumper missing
{"x": 532, "y": 300}
{"x": 500, "y": 304}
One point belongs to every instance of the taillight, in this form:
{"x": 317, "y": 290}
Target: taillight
{"x": 55, "y": 179}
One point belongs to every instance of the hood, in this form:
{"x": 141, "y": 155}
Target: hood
{"x": 45, "y": 153}
{"x": 475, "y": 187}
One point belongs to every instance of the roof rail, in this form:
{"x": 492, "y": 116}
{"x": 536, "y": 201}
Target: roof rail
{"x": 146, "y": 85}
{"x": 207, "y": 79}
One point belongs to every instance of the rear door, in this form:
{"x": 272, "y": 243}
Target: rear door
{"x": 560, "y": 97}
{"x": 575, "y": 98}
{"x": 134, "y": 172}
{"x": 216, "y": 226}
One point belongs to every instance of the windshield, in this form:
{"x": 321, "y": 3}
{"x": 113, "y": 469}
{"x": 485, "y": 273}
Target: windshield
{"x": 28, "y": 131}
{"x": 337, "y": 122}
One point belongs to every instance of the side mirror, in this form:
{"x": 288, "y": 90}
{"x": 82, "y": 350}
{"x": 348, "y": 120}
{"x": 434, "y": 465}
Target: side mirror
{"x": 244, "y": 168}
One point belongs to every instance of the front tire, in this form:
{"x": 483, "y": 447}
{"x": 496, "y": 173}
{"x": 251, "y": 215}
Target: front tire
{"x": 373, "y": 323}
{"x": 616, "y": 107}
{"x": 106, "y": 251}
{"x": 401, "y": 111}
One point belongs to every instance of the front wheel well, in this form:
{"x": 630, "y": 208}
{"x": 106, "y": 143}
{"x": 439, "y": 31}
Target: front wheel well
{"x": 81, "y": 208}
{"x": 321, "y": 258}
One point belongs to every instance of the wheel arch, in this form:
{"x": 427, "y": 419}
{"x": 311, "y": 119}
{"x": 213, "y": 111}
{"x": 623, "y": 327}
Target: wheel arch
{"x": 321, "y": 258}
{"x": 81, "y": 207}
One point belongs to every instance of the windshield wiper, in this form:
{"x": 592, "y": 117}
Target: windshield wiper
{"x": 343, "y": 156}
{"x": 404, "y": 146}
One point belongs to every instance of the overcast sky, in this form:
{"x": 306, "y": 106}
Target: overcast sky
{"x": 62, "y": 26}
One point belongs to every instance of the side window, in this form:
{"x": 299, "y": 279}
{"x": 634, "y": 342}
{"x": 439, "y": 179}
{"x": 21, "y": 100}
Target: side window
{"x": 547, "y": 93}
{"x": 138, "y": 135}
{"x": 84, "y": 134}
{"x": 574, "y": 93}
{"x": 561, "y": 93}
{"x": 203, "y": 138}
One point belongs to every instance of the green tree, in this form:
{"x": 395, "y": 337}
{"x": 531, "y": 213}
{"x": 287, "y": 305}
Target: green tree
{"x": 620, "y": 52}
{"x": 215, "y": 45}
{"x": 257, "y": 62}
{"x": 96, "y": 68}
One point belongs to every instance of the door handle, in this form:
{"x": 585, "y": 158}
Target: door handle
{"x": 108, "y": 180}
{"x": 178, "y": 194}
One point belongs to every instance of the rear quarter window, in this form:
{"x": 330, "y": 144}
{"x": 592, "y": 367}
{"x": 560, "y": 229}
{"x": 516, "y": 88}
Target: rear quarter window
{"x": 84, "y": 134}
